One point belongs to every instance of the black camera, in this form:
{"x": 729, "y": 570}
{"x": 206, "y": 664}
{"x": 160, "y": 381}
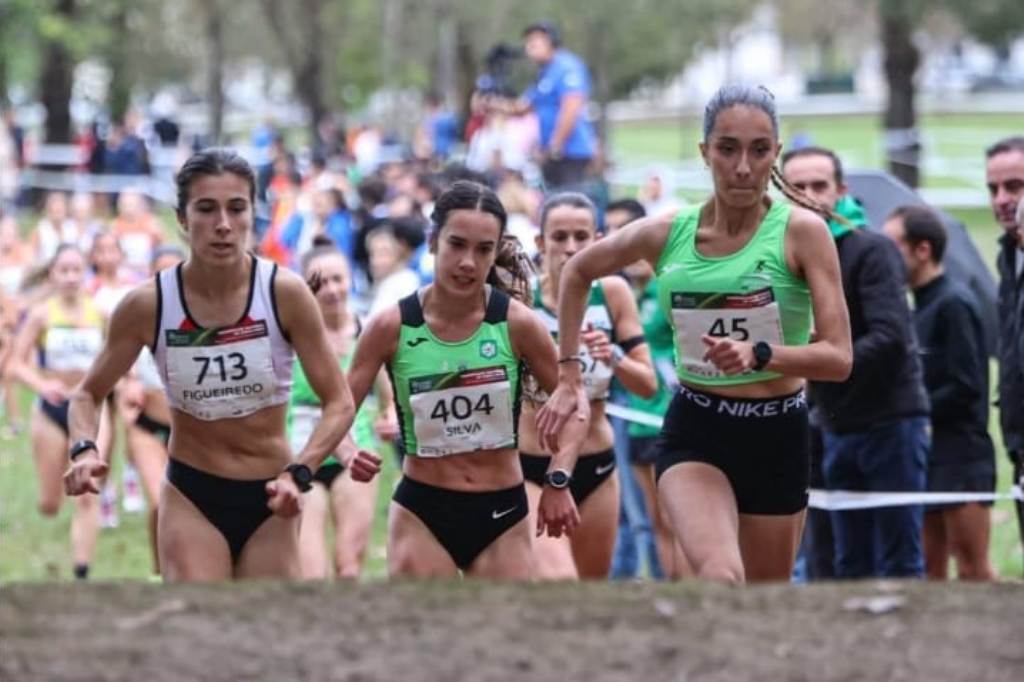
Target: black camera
{"x": 495, "y": 78}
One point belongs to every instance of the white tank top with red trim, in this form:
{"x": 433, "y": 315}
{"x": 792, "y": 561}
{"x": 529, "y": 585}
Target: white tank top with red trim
{"x": 223, "y": 372}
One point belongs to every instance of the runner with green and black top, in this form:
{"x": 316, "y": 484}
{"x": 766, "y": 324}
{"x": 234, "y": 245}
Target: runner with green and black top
{"x": 739, "y": 276}
{"x": 456, "y": 352}
{"x": 334, "y": 493}
{"x": 643, "y": 437}
{"x": 612, "y": 347}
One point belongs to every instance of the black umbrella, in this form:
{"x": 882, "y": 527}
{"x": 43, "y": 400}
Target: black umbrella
{"x": 881, "y": 193}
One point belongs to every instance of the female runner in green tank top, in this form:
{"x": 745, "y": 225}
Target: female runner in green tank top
{"x": 335, "y": 494}
{"x": 738, "y": 277}
{"x": 455, "y": 351}
{"x": 613, "y": 348}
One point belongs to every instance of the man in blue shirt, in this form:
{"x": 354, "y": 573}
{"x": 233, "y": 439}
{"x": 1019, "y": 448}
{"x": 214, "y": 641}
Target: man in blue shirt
{"x": 559, "y": 98}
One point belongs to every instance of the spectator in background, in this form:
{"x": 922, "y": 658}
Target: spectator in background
{"x": 372, "y": 212}
{"x": 136, "y": 230}
{"x": 656, "y": 194}
{"x": 559, "y": 98}
{"x": 947, "y": 317}
{"x": 165, "y": 128}
{"x": 86, "y": 223}
{"x": 874, "y": 424}
{"x": 390, "y": 256}
{"x": 55, "y": 228}
{"x": 327, "y": 215}
{"x": 520, "y": 205}
{"x": 1004, "y": 175}
{"x": 9, "y": 166}
{"x": 502, "y": 142}
{"x": 15, "y": 262}
{"x": 125, "y": 151}
{"x": 439, "y": 129}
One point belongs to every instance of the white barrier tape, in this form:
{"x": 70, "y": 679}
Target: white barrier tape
{"x": 844, "y": 500}
{"x": 632, "y": 415}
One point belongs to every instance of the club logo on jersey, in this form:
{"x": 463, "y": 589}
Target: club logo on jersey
{"x": 488, "y": 349}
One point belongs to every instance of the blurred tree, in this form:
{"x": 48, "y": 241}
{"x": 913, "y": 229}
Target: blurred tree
{"x": 897, "y": 21}
{"x": 300, "y": 35}
{"x": 996, "y": 23}
{"x": 833, "y": 28}
{"x": 57, "y": 29}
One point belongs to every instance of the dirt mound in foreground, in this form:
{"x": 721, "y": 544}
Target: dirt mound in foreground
{"x": 492, "y": 632}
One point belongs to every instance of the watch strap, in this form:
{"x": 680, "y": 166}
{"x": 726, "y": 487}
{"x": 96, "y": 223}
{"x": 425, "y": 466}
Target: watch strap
{"x": 81, "y": 447}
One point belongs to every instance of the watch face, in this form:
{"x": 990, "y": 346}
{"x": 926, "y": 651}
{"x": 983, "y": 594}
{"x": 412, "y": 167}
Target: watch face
{"x": 558, "y": 479}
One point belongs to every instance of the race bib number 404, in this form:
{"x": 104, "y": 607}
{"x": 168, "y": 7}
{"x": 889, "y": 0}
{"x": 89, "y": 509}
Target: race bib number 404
{"x": 462, "y": 411}
{"x": 221, "y": 373}
{"x": 752, "y": 317}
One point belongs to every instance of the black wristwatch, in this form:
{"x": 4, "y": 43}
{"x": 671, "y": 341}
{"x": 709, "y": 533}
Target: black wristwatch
{"x": 762, "y": 355}
{"x": 558, "y": 479}
{"x": 81, "y": 446}
{"x": 302, "y": 475}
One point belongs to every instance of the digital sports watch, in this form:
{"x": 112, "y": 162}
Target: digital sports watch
{"x": 559, "y": 479}
{"x": 301, "y": 475}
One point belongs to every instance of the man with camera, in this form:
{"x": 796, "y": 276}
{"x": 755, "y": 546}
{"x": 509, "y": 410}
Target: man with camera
{"x": 558, "y": 96}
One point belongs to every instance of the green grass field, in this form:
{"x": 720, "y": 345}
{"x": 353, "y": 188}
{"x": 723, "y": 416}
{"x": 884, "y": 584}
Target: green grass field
{"x": 36, "y": 548}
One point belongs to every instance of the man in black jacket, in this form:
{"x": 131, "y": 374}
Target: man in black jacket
{"x": 947, "y": 318}
{"x": 1004, "y": 175}
{"x": 874, "y": 424}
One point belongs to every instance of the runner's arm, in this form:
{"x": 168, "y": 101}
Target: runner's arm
{"x": 305, "y": 327}
{"x": 830, "y": 356}
{"x": 640, "y": 240}
{"x": 132, "y": 321}
{"x": 20, "y": 367}
{"x": 636, "y": 369}
{"x": 533, "y": 343}
{"x": 376, "y": 346}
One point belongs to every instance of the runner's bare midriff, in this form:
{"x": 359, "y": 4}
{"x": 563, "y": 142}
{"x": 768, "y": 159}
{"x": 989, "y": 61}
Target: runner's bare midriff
{"x": 246, "y": 448}
{"x": 478, "y": 471}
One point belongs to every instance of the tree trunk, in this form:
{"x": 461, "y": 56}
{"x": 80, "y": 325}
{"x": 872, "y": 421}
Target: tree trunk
{"x": 311, "y": 81}
{"x": 447, "y": 53}
{"x": 55, "y": 81}
{"x": 902, "y": 143}
{"x": 215, "y": 70}
{"x": 120, "y": 94}
{"x": 599, "y": 69}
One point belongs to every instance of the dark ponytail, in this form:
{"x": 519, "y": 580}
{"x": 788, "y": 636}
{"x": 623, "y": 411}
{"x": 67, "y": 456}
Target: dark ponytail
{"x": 512, "y": 271}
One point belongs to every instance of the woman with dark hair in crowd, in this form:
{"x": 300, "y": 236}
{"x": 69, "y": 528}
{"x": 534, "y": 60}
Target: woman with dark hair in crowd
{"x": 455, "y": 352}
{"x": 613, "y": 347}
{"x": 223, "y": 327}
{"x": 738, "y": 277}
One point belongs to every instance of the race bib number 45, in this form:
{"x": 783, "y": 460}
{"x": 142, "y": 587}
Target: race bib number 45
{"x": 462, "y": 411}
{"x": 220, "y": 373}
{"x": 752, "y": 317}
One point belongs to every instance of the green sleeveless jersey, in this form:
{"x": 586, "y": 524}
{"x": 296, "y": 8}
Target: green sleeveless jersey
{"x": 658, "y": 333}
{"x": 597, "y": 376}
{"x": 304, "y": 413}
{"x": 749, "y": 295}
{"x": 456, "y": 396}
